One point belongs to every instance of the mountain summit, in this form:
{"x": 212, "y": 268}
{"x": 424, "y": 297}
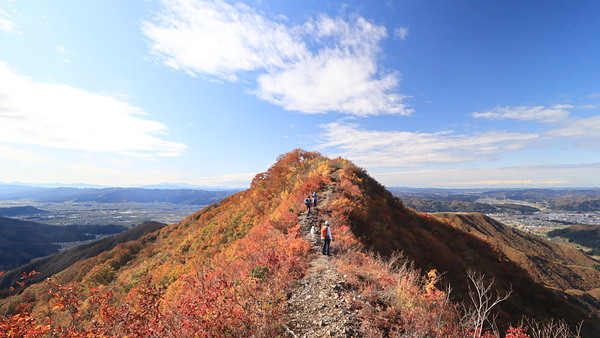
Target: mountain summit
{"x": 249, "y": 266}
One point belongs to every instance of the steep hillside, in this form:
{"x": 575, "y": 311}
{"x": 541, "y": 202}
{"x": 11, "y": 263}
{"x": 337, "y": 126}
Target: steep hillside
{"x": 531, "y": 250}
{"x": 430, "y": 205}
{"x": 48, "y": 266}
{"x": 238, "y": 267}
{"x": 556, "y": 266}
{"x": 383, "y": 224}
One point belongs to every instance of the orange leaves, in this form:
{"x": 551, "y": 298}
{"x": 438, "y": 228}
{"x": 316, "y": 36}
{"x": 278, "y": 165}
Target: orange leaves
{"x": 138, "y": 315}
{"x": 323, "y": 170}
{"x": 350, "y": 189}
{"x": 432, "y": 279}
{"x": 23, "y": 279}
{"x": 22, "y": 325}
{"x": 516, "y": 332}
{"x": 66, "y": 298}
{"x": 26, "y": 275}
{"x": 341, "y": 206}
{"x": 395, "y": 299}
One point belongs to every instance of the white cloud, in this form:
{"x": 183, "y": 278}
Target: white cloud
{"x": 230, "y": 180}
{"x": 372, "y": 148}
{"x": 62, "y": 52}
{"x": 216, "y": 38}
{"x": 332, "y": 81}
{"x": 22, "y": 156}
{"x": 586, "y": 130}
{"x": 323, "y": 65}
{"x": 556, "y": 113}
{"x": 61, "y": 116}
{"x": 103, "y": 175}
{"x": 581, "y": 175}
{"x": 117, "y": 174}
{"x": 401, "y": 33}
{"x": 6, "y": 24}
{"x": 583, "y": 130}
{"x": 60, "y": 49}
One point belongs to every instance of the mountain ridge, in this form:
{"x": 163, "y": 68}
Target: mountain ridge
{"x": 229, "y": 268}
{"x": 116, "y": 195}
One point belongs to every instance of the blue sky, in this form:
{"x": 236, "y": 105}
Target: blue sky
{"x": 447, "y": 94}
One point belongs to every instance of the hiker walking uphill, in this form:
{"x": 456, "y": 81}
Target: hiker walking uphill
{"x": 326, "y": 238}
{"x": 308, "y": 203}
{"x": 317, "y": 306}
{"x": 315, "y": 198}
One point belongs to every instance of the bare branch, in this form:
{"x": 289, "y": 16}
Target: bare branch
{"x": 483, "y": 300}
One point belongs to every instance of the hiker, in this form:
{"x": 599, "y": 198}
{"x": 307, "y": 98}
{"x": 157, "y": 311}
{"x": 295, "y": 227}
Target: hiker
{"x": 314, "y": 199}
{"x": 326, "y": 238}
{"x": 308, "y": 203}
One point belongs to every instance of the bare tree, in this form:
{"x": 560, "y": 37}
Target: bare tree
{"x": 483, "y": 300}
{"x": 553, "y": 329}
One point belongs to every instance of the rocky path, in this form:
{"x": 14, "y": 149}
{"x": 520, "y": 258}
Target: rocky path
{"x": 317, "y": 307}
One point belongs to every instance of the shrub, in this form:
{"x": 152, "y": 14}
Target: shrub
{"x": 101, "y": 274}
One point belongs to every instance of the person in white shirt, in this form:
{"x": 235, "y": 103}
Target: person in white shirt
{"x": 326, "y": 238}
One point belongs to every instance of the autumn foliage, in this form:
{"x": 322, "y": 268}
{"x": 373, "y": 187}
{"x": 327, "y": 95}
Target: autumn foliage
{"x": 227, "y": 270}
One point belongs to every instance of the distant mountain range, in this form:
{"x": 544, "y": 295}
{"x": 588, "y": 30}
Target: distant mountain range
{"x": 483, "y": 191}
{"x": 96, "y": 186}
{"x": 463, "y": 200}
{"x": 112, "y": 195}
{"x": 230, "y": 268}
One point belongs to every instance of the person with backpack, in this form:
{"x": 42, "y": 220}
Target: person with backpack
{"x": 314, "y": 199}
{"x": 326, "y": 238}
{"x": 308, "y": 203}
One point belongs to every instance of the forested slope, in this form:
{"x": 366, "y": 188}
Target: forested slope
{"x": 230, "y": 269}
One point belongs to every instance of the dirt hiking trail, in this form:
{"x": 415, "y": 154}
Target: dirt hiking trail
{"x": 317, "y": 307}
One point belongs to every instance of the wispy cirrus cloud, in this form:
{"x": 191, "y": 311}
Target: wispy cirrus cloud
{"x": 585, "y": 130}
{"x": 115, "y": 174}
{"x": 325, "y": 64}
{"x": 62, "y": 51}
{"x": 232, "y": 180}
{"x": 60, "y": 116}
{"x": 556, "y": 113}
{"x": 20, "y": 155}
{"x": 401, "y": 33}
{"x": 374, "y": 148}
{"x": 565, "y": 175}
{"x": 6, "y": 23}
